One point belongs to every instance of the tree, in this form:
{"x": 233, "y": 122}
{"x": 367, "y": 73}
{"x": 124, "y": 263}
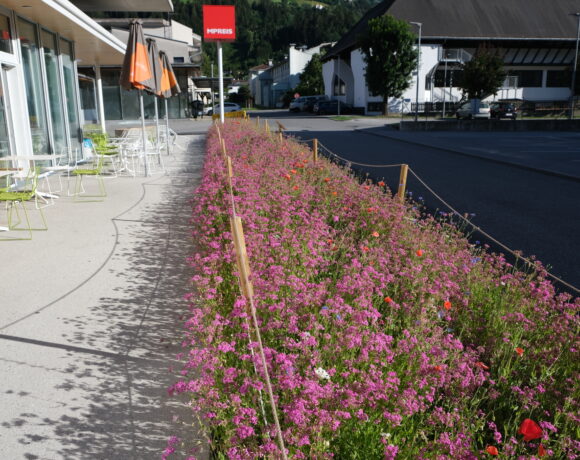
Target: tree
{"x": 482, "y": 76}
{"x": 311, "y": 81}
{"x": 390, "y": 55}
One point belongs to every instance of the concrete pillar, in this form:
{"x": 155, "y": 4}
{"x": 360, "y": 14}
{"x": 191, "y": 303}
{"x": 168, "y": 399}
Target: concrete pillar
{"x": 100, "y": 100}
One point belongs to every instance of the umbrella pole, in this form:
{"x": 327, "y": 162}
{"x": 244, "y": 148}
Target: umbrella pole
{"x": 144, "y": 134}
{"x": 157, "y": 128}
{"x": 167, "y": 125}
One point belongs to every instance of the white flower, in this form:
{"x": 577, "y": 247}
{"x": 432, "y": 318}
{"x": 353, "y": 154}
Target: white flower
{"x": 321, "y": 373}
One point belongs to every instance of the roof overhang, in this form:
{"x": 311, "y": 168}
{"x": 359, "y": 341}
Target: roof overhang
{"x": 93, "y": 43}
{"x": 159, "y": 6}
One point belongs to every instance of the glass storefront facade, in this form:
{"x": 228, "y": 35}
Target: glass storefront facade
{"x": 124, "y": 105}
{"x": 48, "y": 80}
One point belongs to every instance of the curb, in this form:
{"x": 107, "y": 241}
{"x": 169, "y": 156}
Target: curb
{"x": 472, "y": 155}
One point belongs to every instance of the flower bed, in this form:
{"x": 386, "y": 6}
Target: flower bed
{"x": 387, "y": 334}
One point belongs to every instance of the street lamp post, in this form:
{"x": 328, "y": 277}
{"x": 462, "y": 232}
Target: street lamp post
{"x": 574, "y": 70}
{"x": 418, "y": 24}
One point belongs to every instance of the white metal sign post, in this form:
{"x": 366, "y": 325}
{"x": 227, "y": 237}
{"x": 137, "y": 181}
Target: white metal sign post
{"x": 219, "y": 25}
{"x": 221, "y": 76}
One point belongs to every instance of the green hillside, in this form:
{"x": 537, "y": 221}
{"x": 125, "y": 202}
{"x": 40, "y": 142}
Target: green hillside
{"x": 265, "y": 28}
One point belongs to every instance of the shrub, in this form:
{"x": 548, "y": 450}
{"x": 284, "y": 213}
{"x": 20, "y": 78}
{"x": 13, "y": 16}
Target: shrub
{"x": 387, "y": 334}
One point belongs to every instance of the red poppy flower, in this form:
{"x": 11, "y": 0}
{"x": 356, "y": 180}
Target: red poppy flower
{"x": 367, "y": 187}
{"x": 447, "y": 305}
{"x": 381, "y": 184}
{"x": 295, "y": 187}
{"x": 519, "y": 351}
{"x": 419, "y": 253}
{"x": 481, "y": 365}
{"x": 388, "y": 299}
{"x": 375, "y": 234}
{"x": 365, "y": 248}
{"x": 329, "y": 241}
{"x": 370, "y": 209}
{"x": 293, "y": 171}
{"x": 287, "y": 176}
{"x": 541, "y": 451}
{"x": 334, "y": 193}
{"x": 530, "y": 430}
{"x": 492, "y": 450}
{"x": 327, "y": 179}
{"x": 437, "y": 368}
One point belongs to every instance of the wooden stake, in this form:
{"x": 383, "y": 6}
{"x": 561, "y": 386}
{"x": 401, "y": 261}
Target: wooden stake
{"x": 402, "y": 183}
{"x": 229, "y": 164}
{"x": 248, "y": 291}
{"x": 258, "y": 122}
{"x": 242, "y": 256}
{"x": 315, "y": 150}
{"x": 267, "y": 127}
{"x": 224, "y": 153}
{"x": 280, "y": 136}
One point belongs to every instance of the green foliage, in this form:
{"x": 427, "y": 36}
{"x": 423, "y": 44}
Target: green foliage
{"x": 311, "y": 81}
{"x": 265, "y": 28}
{"x": 482, "y": 76}
{"x": 389, "y": 52}
{"x": 241, "y": 97}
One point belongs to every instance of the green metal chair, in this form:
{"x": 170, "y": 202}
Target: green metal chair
{"x": 21, "y": 191}
{"x": 95, "y": 169}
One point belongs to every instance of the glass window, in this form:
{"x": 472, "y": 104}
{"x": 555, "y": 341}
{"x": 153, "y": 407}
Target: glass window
{"x": 559, "y": 79}
{"x": 34, "y": 88}
{"x": 4, "y": 133}
{"x": 111, "y": 93}
{"x": 70, "y": 92}
{"x": 54, "y": 91}
{"x": 5, "y": 37}
{"x": 88, "y": 91}
{"x": 339, "y": 87}
{"x": 528, "y": 78}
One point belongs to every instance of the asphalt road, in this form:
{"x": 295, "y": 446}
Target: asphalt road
{"x": 530, "y": 211}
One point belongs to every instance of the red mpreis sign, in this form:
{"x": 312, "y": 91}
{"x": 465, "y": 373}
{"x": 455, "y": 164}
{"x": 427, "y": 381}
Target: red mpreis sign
{"x": 219, "y": 23}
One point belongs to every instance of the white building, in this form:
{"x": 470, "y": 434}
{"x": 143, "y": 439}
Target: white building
{"x": 268, "y": 85}
{"x": 536, "y": 40}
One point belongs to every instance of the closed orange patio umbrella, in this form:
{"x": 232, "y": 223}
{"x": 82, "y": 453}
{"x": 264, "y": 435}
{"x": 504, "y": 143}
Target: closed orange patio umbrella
{"x": 136, "y": 72}
{"x": 169, "y": 88}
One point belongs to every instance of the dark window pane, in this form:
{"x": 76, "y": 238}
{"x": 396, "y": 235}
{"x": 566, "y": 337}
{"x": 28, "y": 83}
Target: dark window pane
{"x": 559, "y": 79}
{"x": 5, "y": 43}
{"x": 527, "y": 78}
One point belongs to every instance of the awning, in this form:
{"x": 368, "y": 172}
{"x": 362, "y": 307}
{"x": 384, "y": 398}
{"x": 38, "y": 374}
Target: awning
{"x": 163, "y": 6}
{"x": 93, "y": 43}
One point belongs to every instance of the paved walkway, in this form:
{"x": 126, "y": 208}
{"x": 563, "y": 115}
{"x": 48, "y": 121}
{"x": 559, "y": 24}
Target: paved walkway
{"x": 91, "y": 317}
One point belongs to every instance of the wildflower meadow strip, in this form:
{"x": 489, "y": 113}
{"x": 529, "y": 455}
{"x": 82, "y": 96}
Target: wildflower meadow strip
{"x": 387, "y": 334}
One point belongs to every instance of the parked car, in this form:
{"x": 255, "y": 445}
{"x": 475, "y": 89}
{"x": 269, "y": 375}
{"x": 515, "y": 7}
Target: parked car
{"x": 473, "y": 109}
{"x": 305, "y": 103}
{"x": 503, "y": 110}
{"x": 228, "y": 107}
{"x": 331, "y": 107}
{"x": 311, "y": 100}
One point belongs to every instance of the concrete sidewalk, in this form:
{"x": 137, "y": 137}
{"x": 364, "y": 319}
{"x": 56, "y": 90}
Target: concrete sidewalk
{"x": 91, "y": 318}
